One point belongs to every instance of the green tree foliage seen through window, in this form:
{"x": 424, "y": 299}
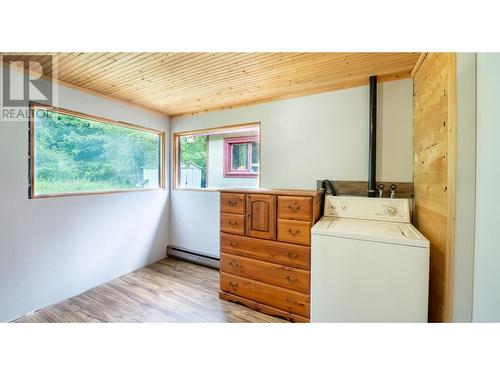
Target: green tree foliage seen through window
{"x": 75, "y": 154}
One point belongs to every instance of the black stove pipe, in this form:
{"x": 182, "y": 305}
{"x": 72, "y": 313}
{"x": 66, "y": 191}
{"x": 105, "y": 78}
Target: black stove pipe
{"x": 372, "y": 166}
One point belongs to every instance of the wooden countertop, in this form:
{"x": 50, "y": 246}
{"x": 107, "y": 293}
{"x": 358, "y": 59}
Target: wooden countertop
{"x": 311, "y": 193}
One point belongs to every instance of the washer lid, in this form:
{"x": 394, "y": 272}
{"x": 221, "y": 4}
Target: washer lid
{"x": 369, "y": 230}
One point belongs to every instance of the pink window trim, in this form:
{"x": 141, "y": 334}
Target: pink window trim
{"x": 228, "y": 156}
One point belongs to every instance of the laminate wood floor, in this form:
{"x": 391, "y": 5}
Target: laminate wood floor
{"x": 170, "y": 291}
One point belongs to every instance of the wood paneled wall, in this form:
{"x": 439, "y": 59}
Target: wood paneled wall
{"x": 434, "y": 142}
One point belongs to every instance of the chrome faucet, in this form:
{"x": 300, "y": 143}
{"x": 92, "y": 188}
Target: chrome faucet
{"x": 380, "y": 190}
{"x": 393, "y": 190}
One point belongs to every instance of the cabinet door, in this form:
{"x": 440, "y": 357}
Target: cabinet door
{"x": 261, "y": 216}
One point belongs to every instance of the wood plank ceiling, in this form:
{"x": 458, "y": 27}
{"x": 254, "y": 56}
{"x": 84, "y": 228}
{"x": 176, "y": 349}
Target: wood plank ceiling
{"x": 182, "y": 83}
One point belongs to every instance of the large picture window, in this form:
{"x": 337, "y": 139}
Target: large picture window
{"x": 218, "y": 158}
{"x": 73, "y": 153}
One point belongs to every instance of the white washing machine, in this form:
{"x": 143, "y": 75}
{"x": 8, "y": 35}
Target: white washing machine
{"x": 368, "y": 263}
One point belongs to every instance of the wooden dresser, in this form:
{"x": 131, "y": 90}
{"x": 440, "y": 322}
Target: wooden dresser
{"x": 265, "y": 249}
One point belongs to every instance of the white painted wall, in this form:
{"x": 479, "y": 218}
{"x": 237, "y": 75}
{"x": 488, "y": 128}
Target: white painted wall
{"x": 465, "y": 187}
{"x": 302, "y": 140}
{"x": 486, "y": 305}
{"x": 216, "y": 177}
{"x": 54, "y": 248}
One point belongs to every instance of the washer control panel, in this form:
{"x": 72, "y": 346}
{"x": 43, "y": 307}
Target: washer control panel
{"x": 385, "y": 209}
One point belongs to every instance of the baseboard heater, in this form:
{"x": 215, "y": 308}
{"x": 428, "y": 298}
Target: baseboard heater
{"x": 190, "y": 256}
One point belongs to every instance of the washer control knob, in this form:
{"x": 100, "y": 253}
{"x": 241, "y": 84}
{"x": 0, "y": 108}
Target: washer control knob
{"x": 345, "y": 206}
{"x": 391, "y": 211}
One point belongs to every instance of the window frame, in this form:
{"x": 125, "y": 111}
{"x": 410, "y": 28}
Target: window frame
{"x": 229, "y": 172}
{"x": 33, "y": 106}
{"x": 207, "y": 131}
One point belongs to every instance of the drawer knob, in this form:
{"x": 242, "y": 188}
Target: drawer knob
{"x": 291, "y": 255}
{"x": 295, "y": 302}
{"x": 291, "y": 279}
{"x": 233, "y": 285}
{"x": 294, "y": 207}
{"x": 234, "y": 264}
{"x": 233, "y": 244}
{"x": 294, "y": 232}
{"x": 232, "y": 223}
{"x": 232, "y": 202}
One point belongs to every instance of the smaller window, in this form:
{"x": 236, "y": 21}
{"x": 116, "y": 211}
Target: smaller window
{"x": 241, "y": 157}
{"x": 213, "y": 158}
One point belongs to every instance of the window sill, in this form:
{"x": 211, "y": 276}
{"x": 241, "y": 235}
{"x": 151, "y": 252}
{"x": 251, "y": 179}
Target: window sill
{"x": 212, "y": 190}
{"x": 241, "y": 175}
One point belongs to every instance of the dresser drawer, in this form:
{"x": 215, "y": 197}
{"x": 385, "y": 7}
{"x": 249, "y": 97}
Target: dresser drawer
{"x": 232, "y": 223}
{"x": 271, "y": 251}
{"x": 284, "y": 299}
{"x": 263, "y": 308}
{"x": 295, "y": 208}
{"x": 286, "y": 277}
{"x": 294, "y": 231}
{"x": 232, "y": 203}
